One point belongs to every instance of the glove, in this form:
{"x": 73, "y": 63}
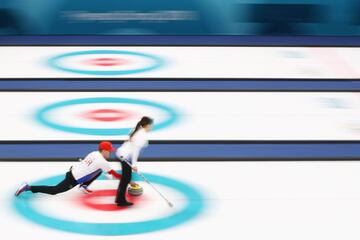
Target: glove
{"x": 109, "y": 176}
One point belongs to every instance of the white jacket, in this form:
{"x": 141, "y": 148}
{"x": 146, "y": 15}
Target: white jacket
{"x": 130, "y": 150}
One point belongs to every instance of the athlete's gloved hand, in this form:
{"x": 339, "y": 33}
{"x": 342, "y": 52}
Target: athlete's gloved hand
{"x": 109, "y": 176}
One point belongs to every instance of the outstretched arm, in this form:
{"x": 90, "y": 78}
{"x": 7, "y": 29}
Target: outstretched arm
{"x": 114, "y": 174}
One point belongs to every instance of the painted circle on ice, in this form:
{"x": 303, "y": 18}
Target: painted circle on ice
{"x": 42, "y": 115}
{"x": 105, "y": 62}
{"x": 118, "y": 59}
{"x": 107, "y": 115}
{"x": 194, "y": 207}
{"x": 89, "y": 200}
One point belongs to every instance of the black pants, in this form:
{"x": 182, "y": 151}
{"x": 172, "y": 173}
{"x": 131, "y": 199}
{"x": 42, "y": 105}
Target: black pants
{"x": 125, "y": 180}
{"x": 68, "y": 183}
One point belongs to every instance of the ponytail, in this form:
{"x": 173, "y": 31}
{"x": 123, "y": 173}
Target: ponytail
{"x": 138, "y": 126}
{"x": 142, "y": 123}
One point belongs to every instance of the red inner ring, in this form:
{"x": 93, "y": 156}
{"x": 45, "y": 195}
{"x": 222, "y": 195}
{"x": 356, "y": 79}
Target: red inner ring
{"x": 107, "y": 115}
{"x": 87, "y": 200}
{"x": 106, "y": 62}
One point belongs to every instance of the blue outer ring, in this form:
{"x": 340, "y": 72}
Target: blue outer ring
{"x": 157, "y": 62}
{"x": 195, "y": 205}
{"x": 41, "y": 116}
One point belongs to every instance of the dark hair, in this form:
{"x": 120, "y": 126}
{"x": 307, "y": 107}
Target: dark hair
{"x": 142, "y": 123}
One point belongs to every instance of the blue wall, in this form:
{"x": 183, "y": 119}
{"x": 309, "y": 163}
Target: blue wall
{"x": 181, "y": 17}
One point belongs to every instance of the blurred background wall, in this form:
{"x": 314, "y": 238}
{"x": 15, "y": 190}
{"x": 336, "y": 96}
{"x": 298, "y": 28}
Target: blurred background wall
{"x": 180, "y": 17}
